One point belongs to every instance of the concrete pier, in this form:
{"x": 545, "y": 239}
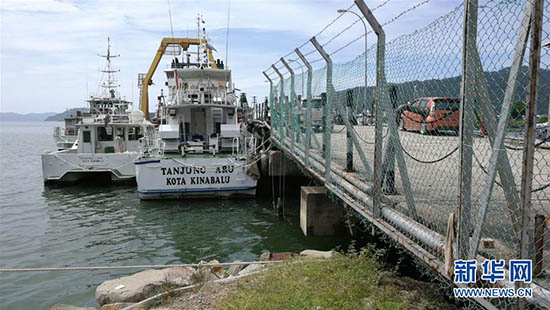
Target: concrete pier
{"x": 279, "y": 165}
{"x": 319, "y": 216}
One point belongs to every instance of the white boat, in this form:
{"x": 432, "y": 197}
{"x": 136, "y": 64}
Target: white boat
{"x": 108, "y": 139}
{"x": 204, "y": 148}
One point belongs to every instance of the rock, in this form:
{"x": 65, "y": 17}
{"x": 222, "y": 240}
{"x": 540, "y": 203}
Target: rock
{"x": 235, "y": 269}
{"x": 122, "y": 305}
{"x": 250, "y": 268}
{"x": 316, "y": 254}
{"x": 69, "y": 307}
{"x": 265, "y": 256}
{"x": 282, "y": 256}
{"x": 487, "y": 243}
{"x": 141, "y": 285}
{"x": 202, "y": 275}
{"x": 208, "y": 273}
{"x": 368, "y": 303}
{"x": 218, "y": 271}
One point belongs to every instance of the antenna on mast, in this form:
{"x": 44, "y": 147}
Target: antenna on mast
{"x": 171, "y": 25}
{"x": 111, "y": 83}
{"x": 226, "y": 66}
{"x": 199, "y": 37}
{"x": 227, "y": 34}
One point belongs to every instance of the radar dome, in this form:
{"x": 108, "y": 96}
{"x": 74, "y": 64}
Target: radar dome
{"x": 137, "y": 116}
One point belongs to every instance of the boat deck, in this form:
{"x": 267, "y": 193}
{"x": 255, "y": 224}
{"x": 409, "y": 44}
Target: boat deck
{"x": 197, "y": 155}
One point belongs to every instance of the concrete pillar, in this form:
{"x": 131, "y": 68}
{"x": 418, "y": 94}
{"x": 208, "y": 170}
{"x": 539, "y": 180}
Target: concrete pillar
{"x": 280, "y": 165}
{"x": 319, "y": 216}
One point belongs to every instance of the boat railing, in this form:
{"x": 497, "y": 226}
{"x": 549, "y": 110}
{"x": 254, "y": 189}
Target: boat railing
{"x": 235, "y": 147}
{"x": 57, "y": 131}
{"x": 151, "y": 146}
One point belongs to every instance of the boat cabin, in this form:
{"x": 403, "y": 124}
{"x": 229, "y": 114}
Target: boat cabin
{"x": 96, "y": 137}
{"x": 200, "y": 115}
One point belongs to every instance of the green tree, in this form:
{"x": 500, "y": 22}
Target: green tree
{"x": 243, "y": 101}
{"x": 518, "y": 110}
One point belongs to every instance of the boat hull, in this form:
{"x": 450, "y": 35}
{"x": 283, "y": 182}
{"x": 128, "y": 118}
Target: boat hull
{"x": 63, "y": 166}
{"x": 172, "y": 178}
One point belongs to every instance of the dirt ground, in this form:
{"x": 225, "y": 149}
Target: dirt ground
{"x": 207, "y": 297}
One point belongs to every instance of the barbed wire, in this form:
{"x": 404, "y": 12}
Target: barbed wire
{"x": 341, "y": 32}
{"x": 355, "y": 22}
{"x": 322, "y": 30}
{"x": 333, "y": 21}
{"x": 419, "y": 4}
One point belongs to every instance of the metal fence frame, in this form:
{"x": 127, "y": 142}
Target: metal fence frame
{"x": 367, "y": 196}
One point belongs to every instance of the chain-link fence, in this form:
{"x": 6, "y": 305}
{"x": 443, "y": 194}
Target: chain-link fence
{"x": 444, "y": 143}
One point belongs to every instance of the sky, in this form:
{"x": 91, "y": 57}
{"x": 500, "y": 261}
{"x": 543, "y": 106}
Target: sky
{"x": 49, "y": 48}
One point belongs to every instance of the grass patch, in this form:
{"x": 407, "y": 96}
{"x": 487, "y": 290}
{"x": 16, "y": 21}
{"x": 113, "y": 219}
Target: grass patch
{"x": 348, "y": 281}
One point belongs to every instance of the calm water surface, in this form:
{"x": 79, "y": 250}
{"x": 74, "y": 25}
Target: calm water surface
{"x": 95, "y": 226}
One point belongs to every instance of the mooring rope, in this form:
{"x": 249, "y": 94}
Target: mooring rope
{"x": 40, "y": 269}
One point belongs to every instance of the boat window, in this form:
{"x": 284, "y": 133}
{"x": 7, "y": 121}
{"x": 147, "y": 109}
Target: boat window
{"x": 86, "y": 138}
{"x": 120, "y": 132}
{"x": 316, "y": 104}
{"x": 104, "y": 135}
{"x": 135, "y": 133}
{"x": 187, "y": 130}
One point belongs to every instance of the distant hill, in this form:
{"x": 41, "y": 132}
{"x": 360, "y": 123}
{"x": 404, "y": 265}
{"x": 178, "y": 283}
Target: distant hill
{"x": 450, "y": 87}
{"x": 61, "y": 116}
{"x": 17, "y": 117}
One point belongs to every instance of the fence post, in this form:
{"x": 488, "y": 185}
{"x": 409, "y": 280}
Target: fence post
{"x": 323, "y": 117}
{"x": 466, "y": 127}
{"x": 281, "y": 109}
{"x": 270, "y": 96}
{"x": 349, "y": 142}
{"x": 328, "y": 116}
{"x": 519, "y": 51}
{"x": 527, "y": 224}
{"x": 382, "y": 101}
{"x": 291, "y": 104}
{"x": 308, "y": 103}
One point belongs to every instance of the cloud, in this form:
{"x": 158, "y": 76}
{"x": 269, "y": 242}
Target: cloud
{"x": 47, "y": 6}
{"x": 53, "y": 45}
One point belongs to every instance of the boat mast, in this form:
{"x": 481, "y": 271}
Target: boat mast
{"x": 199, "y": 37}
{"x": 111, "y": 84}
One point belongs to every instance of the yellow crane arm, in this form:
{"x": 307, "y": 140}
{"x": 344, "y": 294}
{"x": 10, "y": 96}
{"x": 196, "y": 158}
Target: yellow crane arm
{"x": 184, "y": 43}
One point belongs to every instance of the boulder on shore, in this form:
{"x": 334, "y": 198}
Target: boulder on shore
{"x": 122, "y": 305}
{"x": 235, "y": 269}
{"x": 141, "y": 285}
{"x": 282, "y": 256}
{"x": 317, "y": 254}
{"x": 250, "y": 269}
{"x": 69, "y": 307}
